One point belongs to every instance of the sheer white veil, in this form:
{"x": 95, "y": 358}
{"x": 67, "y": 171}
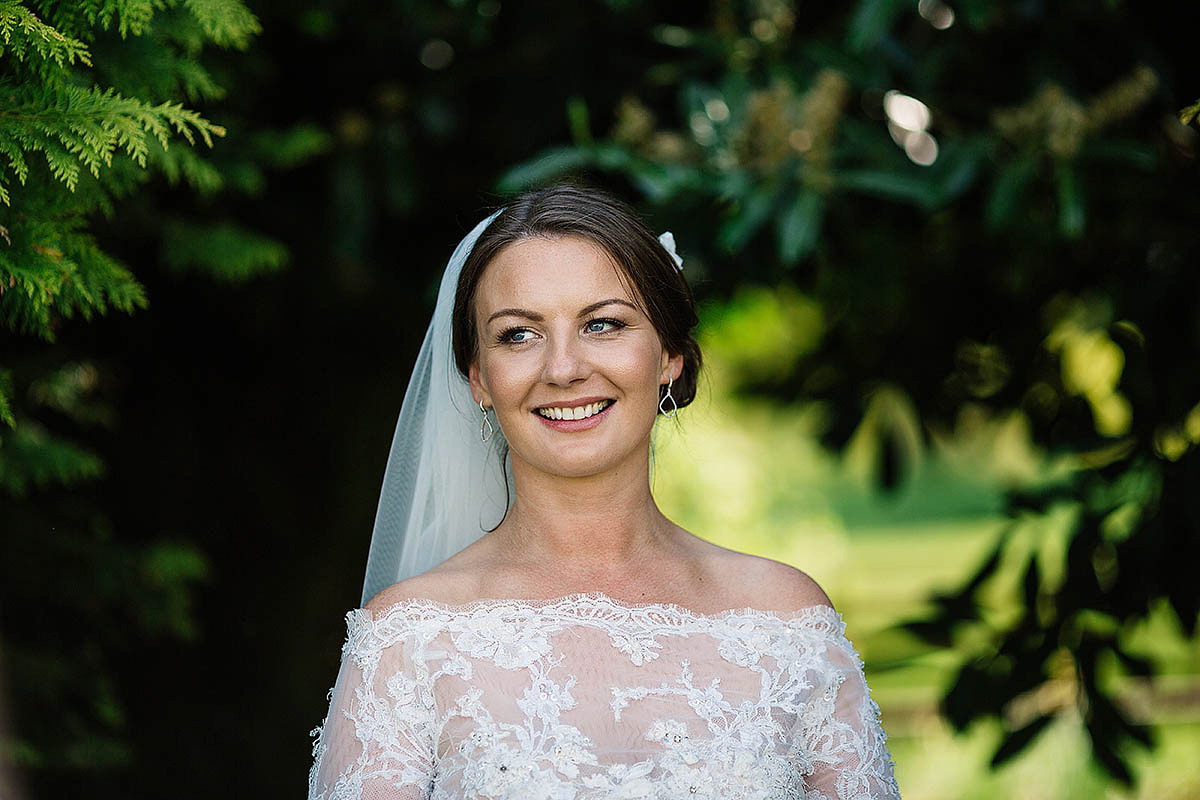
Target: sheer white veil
{"x": 443, "y": 486}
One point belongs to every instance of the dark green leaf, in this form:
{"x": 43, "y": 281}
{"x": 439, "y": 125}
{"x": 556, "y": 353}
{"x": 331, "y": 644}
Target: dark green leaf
{"x": 871, "y": 21}
{"x": 1016, "y": 741}
{"x": 1071, "y": 215}
{"x": 919, "y": 190}
{"x": 989, "y": 565}
{"x": 937, "y": 631}
{"x": 223, "y": 250}
{"x": 1188, "y": 114}
{"x": 1031, "y": 584}
{"x": 800, "y": 225}
{"x": 661, "y": 183}
{"x": 579, "y": 121}
{"x": 6, "y": 389}
{"x": 1104, "y": 749}
{"x": 1122, "y": 151}
{"x": 970, "y": 695}
{"x": 552, "y": 163}
{"x": 1009, "y": 190}
{"x": 747, "y": 217}
{"x": 1135, "y": 665}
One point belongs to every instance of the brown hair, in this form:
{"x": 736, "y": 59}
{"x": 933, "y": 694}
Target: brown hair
{"x": 640, "y": 259}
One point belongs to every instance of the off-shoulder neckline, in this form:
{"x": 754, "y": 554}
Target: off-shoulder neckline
{"x": 566, "y": 603}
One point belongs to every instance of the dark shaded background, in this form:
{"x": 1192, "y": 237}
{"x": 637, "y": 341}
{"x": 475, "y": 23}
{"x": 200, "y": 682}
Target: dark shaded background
{"x": 253, "y": 420}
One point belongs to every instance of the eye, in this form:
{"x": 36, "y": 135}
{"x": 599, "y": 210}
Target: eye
{"x": 603, "y": 325}
{"x": 515, "y": 335}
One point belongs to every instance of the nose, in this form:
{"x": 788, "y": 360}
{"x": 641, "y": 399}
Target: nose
{"x": 565, "y": 362}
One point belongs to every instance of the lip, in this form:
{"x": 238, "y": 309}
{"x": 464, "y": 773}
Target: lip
{"x": 573, "y": 403}
{"x": 574, "y": 425}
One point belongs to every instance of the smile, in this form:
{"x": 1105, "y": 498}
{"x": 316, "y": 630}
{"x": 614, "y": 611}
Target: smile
{"x": 577, "y": 412}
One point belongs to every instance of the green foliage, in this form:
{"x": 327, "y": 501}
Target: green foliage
{"x": 291, "y": 147}
{"x": 85, "y": 127}
{"x": 225, "y": 251}
{"x": 968, "y": 237}
{"x": 228, "y": 23}
{"x": 170, "y": 570}
{"x": 69, "y": 390}
{"x": 120, "y": 598}
{"x": 1081, "y": 642}
{"x": 225, "y": 23}
{"x": 1036, "y": 275}
{"x": 34, "y": 457}
{"x": 6, "y": 412}
{"x": 25, "y": 34}
{"x": 64, "y": 274}
{"x": 91, "y": 110}
{"x": 1188, "y": 114}
{"x": 132, "y": 17}
{"x": 52, "y": 268}
{"x": 761, "y": 334}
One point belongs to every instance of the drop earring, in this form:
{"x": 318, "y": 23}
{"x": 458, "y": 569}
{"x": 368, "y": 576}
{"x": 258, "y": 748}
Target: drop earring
{"x": 486, "y": 430}
{"x": 662, "y": 404}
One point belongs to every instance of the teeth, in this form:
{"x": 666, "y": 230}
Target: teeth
{"x": 578, "y": 412}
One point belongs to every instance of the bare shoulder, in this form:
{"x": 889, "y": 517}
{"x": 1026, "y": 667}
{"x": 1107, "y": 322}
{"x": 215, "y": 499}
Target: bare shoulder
{"x": 441, "y": 585}
{"x": 786, "y": 588}
{"x": 770, "y": 585}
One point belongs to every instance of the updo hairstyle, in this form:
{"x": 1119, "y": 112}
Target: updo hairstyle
{"x": 642, "y": 262}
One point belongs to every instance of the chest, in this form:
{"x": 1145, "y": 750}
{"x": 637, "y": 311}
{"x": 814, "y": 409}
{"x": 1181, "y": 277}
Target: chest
{"x": 616, "y": 711}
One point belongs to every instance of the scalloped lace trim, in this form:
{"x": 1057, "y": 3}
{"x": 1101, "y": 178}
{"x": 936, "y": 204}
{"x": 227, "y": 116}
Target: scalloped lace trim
{"x": 517, "y": 699}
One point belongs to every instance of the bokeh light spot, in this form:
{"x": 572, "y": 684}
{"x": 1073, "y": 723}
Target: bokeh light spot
{"x": 436, "y": 54}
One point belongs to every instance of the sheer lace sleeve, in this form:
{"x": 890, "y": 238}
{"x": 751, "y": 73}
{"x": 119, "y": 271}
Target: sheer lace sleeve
{"x": 377, "y": 741}
{"x": 843, "y": 735}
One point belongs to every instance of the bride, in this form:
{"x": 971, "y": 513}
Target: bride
{"x": 586, "y": 646}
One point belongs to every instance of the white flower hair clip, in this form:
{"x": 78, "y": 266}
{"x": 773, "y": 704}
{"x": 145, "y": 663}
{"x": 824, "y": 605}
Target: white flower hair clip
{"x": 667, "y": 240}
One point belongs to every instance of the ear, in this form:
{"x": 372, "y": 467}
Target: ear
{"x": 672, "y": 367}
{"x": 478, "y": 389}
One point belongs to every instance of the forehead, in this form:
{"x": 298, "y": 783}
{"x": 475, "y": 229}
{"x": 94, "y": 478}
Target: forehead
{"x": 542, "y": 274}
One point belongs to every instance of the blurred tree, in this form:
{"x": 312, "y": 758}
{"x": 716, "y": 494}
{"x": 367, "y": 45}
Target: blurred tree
{"x": 993, "y": 205}
{"x": 91, "y": 112}
{"x": 1011, "y": 272}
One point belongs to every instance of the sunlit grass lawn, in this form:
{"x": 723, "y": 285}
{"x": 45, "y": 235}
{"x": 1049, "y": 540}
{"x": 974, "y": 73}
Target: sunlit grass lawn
{"x": 753, "y": 477}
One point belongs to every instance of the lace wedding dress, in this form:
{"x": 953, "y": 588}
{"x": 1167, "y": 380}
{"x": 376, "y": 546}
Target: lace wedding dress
{"x": 585, "y": 697}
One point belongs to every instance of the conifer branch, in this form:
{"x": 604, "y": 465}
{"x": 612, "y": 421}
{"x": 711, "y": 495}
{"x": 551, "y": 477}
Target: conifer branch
{"x": 33, "y": 456}
{"x": 75, "y": 127}
{"x": 52, "y": 269}
{"x": 196, "y": 82}
{"x": 22, "y": 31}
{"x": 91, "y": 148}
{"x": 184, "y": 164}
{"x": 131, "y": 16}
{"x": 222, "y": 250}
{"x": 228, "y": 23}
{"x": 6, "y": 389}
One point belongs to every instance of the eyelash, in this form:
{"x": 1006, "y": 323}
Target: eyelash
{"x": 616, "y": 324}
{"x": 506, "y": 336}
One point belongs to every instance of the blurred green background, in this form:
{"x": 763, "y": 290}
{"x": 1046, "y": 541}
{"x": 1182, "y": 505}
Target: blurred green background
{"x": 946, "y": 255}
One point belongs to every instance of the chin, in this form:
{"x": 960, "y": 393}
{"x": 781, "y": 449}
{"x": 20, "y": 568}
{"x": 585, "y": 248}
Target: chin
{"x": 579, "y": 462}
{"x": 576, "y": 467}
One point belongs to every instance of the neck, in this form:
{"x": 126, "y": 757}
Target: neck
{"x": 596, "y": 524}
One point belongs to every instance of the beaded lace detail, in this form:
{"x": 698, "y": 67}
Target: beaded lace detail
{"x": 584, "y": 697}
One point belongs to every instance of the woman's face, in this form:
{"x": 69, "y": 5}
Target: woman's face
{"x": 566, "y": 358}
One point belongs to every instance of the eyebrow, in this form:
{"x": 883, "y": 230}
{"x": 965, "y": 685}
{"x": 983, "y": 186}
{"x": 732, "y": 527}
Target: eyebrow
{"x": 536, "y": 317}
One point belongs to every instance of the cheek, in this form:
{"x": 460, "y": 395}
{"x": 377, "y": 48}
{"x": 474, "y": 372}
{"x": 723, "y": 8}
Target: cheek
{"x": 640, "y": 369}
{"x": 507, "y": 377}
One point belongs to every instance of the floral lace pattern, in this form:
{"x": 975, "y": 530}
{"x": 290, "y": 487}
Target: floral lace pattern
{"x": 584, "y": 697}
